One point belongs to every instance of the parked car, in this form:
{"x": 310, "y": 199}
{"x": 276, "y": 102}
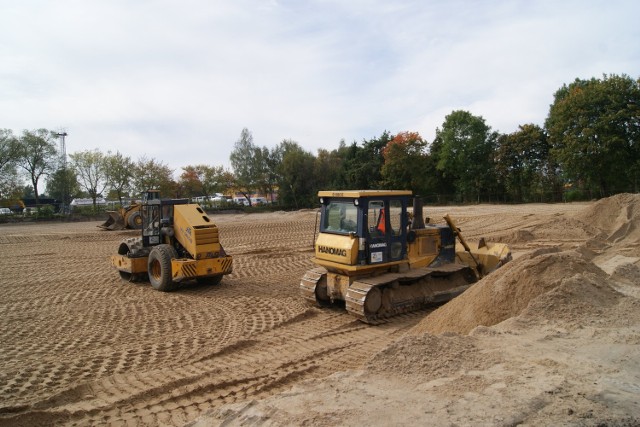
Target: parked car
{"x": 241, "y": 201}
{"x": 5, "y": 211}
{"x": 258, "y": 201}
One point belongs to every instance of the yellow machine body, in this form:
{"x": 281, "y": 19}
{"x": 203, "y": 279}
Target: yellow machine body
{"x": 123, "y": 218}
{"x": 179, "y": 242}
{"x": 370, "y": 255}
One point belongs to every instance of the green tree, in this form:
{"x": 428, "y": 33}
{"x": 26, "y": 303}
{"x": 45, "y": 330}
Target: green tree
{"x": 214, "y": 180}
{"x": 267, "y": 163}
{"x": 8, "y": 149}
{"x": 119, "y": 174}
{"x": 27, "y": 192}
{"x": 297, "y": 185}
{"x": 345, "y": 177}
{"x": 440, "y": 188}
{"x": 225, "y": 180}
{"x": 203, "y": 180}
{"x": 466, "y": 154}
{"x": 525, "y": 167}
{"x": 329, "y": 166}
{"x": 63, "y": 185}
{"x": 246, "y": 161}
{"x": 10, "y": 182}
{"x": 149, "y": 174}
{"x": 406, "y": 163}
{"x": 363, "y": 165}
{"x": 90, "y": 167}
{"x": 37, "y": 155}
{"x": 594, "y": 129}
{"x": 190, "y": 181}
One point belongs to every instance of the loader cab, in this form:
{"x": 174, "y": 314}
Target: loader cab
{"x": 363, "y": 227}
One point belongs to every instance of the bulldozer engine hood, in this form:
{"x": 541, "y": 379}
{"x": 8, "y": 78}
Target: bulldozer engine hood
{"x": 342, "y": 249}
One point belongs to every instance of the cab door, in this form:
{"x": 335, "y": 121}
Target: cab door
{"x": 378, "y": 237}
{"x": 397, "y": 226}
{"x": 386, "y": 227}
{"x": 150, "y": 224}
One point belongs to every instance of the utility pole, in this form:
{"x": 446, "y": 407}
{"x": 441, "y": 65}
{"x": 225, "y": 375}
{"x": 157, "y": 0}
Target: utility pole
{"x": 63, "y": 149}
{"x": 63, "y": 164}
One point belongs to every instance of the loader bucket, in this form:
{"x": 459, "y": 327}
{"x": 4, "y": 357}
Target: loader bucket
{"x": 114, "y": 222}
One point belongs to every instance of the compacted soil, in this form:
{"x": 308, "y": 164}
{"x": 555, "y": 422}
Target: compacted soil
{"x": 552, "y": 338}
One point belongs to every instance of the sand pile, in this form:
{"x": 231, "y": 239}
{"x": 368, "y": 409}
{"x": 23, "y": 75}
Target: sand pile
{"x": 518, "y": 236}
{"x": 578, "y": 298}
{"x": 617, "y": 217}
{"x": 629, "y": 273}
{"x": 550, "y": 228}
{"x": 430, "y": 356}
{"x": 548, "y": 282}
{"x": 508, "y": 291}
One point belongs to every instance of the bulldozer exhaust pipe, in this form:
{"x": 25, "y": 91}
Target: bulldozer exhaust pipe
{"x": 418, "y": 215}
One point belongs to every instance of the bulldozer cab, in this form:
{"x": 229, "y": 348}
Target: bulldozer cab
{"x": 363, "y": 227}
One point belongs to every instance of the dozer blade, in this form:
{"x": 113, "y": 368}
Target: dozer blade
{"x": 485, "y": 258}
{"x": 488, "y": 257}
{"x": 114, "y": 222}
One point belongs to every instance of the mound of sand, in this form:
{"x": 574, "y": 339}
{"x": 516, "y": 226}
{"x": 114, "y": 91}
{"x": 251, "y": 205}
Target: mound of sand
{"x": 548, "y": 282}
{"x": 627, "y": 273}
{"x": 518, "y": 236}
{"x": 617, "y": 217}
{"x": 508, "y": 291}
{"x": 429, "y": 356}
{"x": 578, "y": 297}
{"x": 563, "y": 348}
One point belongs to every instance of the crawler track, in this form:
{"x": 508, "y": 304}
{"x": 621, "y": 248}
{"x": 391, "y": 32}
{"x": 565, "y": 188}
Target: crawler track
{"x": 372, "y": 299}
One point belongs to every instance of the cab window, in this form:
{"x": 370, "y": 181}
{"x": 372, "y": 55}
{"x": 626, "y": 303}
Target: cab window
{"x": 395, "y": 216}
{"x": 340, "y": 217}
{"x": 377, "y": 221}
{"x": 151, "y": 226}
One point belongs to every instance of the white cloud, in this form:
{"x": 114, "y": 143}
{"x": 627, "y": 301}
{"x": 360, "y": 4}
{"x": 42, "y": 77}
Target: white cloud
{"x": 178, "y": 81}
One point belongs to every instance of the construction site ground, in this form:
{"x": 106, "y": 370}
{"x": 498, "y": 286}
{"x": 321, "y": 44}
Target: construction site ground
{"x": 552, "y": 338}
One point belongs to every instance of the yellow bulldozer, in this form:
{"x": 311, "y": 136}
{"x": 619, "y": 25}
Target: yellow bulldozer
{"x": 127, "y": 217}
{"x": 381, "y": 260}
{"x": 179, "y": 242}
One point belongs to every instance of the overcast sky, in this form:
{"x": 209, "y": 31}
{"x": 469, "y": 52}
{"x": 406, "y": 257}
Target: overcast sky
{"x": 178, "y": 80}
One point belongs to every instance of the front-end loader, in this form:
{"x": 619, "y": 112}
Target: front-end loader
{"x": 179, "y": 242}
{"x": 126, "y": 217}
{"x": 371, "y": 255}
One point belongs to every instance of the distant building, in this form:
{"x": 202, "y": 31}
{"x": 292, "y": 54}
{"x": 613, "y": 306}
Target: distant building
{"x": 88, "y": 202}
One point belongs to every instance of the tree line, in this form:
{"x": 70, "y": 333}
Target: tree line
{"x": 588, "y": 147}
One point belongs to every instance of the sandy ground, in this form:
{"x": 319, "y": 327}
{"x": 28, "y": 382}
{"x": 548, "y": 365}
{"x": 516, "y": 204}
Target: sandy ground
{"x": 553, "y": 338}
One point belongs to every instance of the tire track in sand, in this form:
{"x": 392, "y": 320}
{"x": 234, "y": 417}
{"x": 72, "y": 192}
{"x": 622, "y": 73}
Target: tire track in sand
{"x": 79, "y": 346}
{"x": 313, "y": 345}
